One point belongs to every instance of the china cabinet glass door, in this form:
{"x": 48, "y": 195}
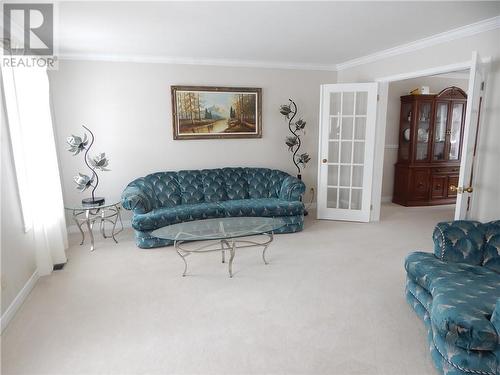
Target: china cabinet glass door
{"x": 422, "y": 131}
{"x": 405, "y": 136}
{"x": 440, "y": 122}
{"x": 455, "y": 131}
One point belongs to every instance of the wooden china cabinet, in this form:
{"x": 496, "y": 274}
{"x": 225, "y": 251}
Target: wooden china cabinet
{"x": 430, "y": 147}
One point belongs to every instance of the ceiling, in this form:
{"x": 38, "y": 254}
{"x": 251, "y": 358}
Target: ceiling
{"x": 307, "y": 33}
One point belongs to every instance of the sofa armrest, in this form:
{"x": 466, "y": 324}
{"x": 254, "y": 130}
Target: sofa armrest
{"x": 459, "y": 241}
{"x": 134, "y": 199}
{"x": 292, "y": 189}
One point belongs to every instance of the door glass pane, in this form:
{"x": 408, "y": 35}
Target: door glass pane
{"x": 335, "y": 103}
{"x": 333, "y": 175}
{"x": 405, "y": 136}
{"x": 359, "y": 153}
{"x": 333, "y": 152}
{"x": 344, "y": 198}
{"x": 345, "y": 175}
{"x": 356, "y": 199}
{"x": 361, "y": 102}
{"x": 346, "y": 152}
{"x": 423, "y": 124}
{"x": 455, "y": 131}
{"x": 348, "y": 103}
{"x": 347, "y": 128}
{"x": 331, "y": 198}
{"x": 334, "y": 128}
{"x": 357, "y": 176}
{"x": 440, "y": 130}
{"x": 360, "y": 128}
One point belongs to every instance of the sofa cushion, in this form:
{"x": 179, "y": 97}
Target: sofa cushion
{"x": 264, "y": 183}
{"x": 161, "y": 217}
{"x": 463, "y": 299}
{"x": 166, "y": 189}
{"x": 262, "y": 207}
{"x": 459, "y": 241}
{"x": 236, "y": 183}
{"x": 214, "y": 185}
{"x": 191, "y": 186}
{"x": 492, "y": 246}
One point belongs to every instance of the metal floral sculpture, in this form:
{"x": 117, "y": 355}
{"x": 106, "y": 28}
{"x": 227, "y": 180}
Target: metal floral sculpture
{"x": 98, "y": 162}
{"x": 293, "y": 142}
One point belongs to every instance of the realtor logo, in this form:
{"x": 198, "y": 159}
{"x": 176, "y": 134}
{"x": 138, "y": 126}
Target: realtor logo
{"x": 28, "y": 29}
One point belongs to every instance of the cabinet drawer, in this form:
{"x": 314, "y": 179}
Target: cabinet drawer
{"x": 445, "y": 170}
{"x": 420, "y": 184}
{"x": 439, "y": 187}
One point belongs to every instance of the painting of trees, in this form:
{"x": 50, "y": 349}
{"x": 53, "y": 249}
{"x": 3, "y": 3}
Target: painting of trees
{"x": 209, "y": 110}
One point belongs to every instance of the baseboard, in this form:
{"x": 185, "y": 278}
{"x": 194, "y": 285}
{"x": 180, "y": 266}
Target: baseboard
{"x": 19, "y": 300}
{"x": 74, "y": 229}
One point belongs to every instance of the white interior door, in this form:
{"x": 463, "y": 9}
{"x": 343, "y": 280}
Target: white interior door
{"x": 346, "y": 149}
{"x": 472, "y": 116}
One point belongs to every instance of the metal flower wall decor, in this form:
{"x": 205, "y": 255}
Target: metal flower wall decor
{"x": 99, "y": 162}
{"x": 294, "y": 142}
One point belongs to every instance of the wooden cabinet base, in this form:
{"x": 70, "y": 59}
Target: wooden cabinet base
{"x": 426, "y": 185}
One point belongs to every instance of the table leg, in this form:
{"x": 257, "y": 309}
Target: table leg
{"x": 265, "y": 247}
{"x": 232, "y": 252}
{"x": 183, "y": 258}
{"x": 101, "y": 224}
{"x": 89, "y": 227}
{"x": 117, "y": 217}
{"x": 79, "y": 225}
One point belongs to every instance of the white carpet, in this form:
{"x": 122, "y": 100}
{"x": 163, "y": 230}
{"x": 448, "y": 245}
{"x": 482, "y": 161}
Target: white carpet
{"x": 331, "y": 301}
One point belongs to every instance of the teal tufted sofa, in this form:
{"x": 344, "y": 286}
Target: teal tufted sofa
{"x": 456, "y": 292}
{"x": 167, "y": 198}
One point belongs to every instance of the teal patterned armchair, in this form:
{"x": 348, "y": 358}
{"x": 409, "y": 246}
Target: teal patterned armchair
{"x": 166, "y": 198}
{"x": 456, "y": 292}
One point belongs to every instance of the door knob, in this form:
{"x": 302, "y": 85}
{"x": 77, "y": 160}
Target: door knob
{"x": 461, "y": 190}
{"x": 324, "y": 160}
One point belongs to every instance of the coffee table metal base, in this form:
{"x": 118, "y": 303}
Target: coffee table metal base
{"x": 223, "y": 245}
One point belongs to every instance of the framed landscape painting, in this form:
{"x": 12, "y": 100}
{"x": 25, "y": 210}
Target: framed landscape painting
{"x": 216, "y": 112}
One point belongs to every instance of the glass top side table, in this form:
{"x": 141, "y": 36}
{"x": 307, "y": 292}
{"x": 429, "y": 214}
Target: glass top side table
{"x": 89, "y": 215}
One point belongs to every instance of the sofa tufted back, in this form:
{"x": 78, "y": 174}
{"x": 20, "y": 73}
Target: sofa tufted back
{"x": 167, "y": 189}
{"x": 467, "y": 241}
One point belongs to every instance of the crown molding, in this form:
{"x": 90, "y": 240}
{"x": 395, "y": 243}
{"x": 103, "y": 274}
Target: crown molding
{"x": 197, "y": 61}
{"x": 447, "y": 36}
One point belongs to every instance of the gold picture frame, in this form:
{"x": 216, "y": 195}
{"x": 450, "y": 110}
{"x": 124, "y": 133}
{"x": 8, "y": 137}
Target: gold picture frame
{"x": 206, "y": 112}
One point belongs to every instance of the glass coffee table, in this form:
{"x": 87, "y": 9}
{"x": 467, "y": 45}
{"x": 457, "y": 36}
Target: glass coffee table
{"x": 221, "y": 234}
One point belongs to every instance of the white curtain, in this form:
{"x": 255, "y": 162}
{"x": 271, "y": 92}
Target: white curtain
{"x": 27, "y": 102}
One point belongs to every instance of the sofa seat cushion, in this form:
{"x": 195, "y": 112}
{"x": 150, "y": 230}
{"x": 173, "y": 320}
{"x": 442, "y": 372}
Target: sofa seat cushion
{"x": 161, "y": 217}
{"x": 463, "y": 299}
{"x": 262, "y": 207}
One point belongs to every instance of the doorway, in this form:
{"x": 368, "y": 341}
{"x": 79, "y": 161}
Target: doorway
{"x": 438, "y": 131}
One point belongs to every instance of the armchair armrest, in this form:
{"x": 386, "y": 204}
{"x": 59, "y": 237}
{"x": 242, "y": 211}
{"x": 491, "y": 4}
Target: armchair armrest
{"x": 292, "y": 189}
{"x": 459, "y": 241}
{"x": 136, "y": 200}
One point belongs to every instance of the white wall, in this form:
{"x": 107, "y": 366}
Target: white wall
{"x": 487, "y": 189}
{"x": 128, "y": 107}
{"x": 17, "y": 247}
{"x": 396, "y": 90}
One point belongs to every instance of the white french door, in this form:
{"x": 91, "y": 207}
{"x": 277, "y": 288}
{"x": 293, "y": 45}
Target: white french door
{"x": 465, "y": 186}
{"x": 346, "y": 150}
